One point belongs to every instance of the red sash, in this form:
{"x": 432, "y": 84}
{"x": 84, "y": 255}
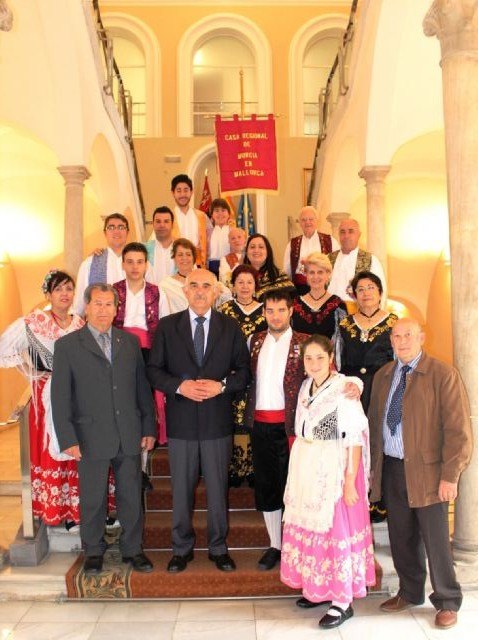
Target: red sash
{"x": 272, "y": 416}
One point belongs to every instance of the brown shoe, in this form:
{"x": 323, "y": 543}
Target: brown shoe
{"x": 395, "y": 604}
{"x": 445, "y": 619}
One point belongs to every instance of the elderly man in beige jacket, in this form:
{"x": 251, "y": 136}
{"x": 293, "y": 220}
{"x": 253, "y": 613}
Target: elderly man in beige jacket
{"x": 421, "y": 441}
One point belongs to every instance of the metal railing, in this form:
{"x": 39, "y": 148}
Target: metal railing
{"x": 20, "y": 415}
{"x": 337, "y": 85}
{"x": 115, "y": 88}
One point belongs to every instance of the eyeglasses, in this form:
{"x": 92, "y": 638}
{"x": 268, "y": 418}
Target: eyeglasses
{"x": 370, "y": 287}
{"x": 116, "y": 227}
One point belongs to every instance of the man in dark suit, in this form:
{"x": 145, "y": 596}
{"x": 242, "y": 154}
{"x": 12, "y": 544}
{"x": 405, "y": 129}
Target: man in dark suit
{"x": 199, "y": 358}
{"x": 421, "y": 441}
{"x": 104, "y": 415}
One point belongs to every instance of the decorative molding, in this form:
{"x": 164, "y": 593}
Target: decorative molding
{"x": 225, "y": 3}
{"x": 455, "y": 24}
{"x": 6, "y": 16}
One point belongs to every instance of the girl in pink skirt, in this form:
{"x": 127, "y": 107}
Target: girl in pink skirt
{"x": 327, "y": 546}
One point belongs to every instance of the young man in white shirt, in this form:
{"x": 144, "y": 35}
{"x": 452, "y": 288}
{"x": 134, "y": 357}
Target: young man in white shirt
{"x": 189, "y": 223}
{"x": 159, "y": 248}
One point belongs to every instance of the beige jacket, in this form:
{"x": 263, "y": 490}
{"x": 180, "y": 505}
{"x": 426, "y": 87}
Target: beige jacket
{"x": 436, "y": 427}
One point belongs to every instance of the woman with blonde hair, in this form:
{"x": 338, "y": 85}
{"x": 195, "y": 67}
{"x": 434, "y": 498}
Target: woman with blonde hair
{"x": 318, "y": 312}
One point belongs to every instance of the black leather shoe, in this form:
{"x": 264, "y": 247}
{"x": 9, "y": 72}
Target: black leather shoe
{"x": 179, "y": 563}
{"x": 330, "y": 622}
{"x": 269, "y": 559}
{"x": 224, "y": 562}
{"x": 303, "y": 603}
{"x": 139, "y": 562}
{"x": 93, "y": 565}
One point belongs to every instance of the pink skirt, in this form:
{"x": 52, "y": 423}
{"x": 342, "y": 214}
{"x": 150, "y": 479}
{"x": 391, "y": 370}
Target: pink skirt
{"x": 335, "y": 565}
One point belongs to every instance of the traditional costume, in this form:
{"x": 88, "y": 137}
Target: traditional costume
{"x": 193, "y": 225}
{"x": 327, "y": 548}
{"x": 139, "y": 314}
{"x": 299, "y": 248}
{"x": 160, "y": 259}
{"x": 282, "y": 282}
{"x": 241, "y": 462}
{"x": 345, "y": 266}
{"x": 324, "y": 320}
{"x": 218, "y": 247}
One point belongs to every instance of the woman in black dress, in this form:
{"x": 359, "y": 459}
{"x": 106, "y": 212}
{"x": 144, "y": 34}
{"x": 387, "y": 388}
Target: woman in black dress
{"x": 363, "y": 344}
{"x": 247, "y": 312}
{"x": 318, "y": 312}
{"x": 259, "y": 255}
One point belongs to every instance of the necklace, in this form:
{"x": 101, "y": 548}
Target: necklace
{"x": 371, "y": 315}
{"x": 245, "y": 304}
{"x": 60, "y": 321}
{"x": 181, "y": 275}
{"x": 315, "y": 387}
{"x": 319, "y": 298}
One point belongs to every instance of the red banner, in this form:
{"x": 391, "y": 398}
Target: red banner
{"x": 206, "y": 199}
{"x": 247, "y": 154}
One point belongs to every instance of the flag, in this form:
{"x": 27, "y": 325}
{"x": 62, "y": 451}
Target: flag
{"x": 206, "y": 198}
{"x": 242, "y": 215}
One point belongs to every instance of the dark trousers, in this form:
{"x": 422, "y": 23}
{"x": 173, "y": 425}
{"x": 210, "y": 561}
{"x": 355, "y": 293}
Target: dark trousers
{"x": 93, "y": 477}
{"x": 414, "y": 531}
{"x": 270, "y": 460}
{"x": 185, "y": 458}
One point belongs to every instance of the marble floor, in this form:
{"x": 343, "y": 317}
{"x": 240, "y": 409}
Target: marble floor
{"x": 274, "y": 619}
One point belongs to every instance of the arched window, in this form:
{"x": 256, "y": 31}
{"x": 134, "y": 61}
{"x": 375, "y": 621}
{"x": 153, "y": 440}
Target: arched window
{"x": 217, "y": 64}
{"x": 132, "y": 65}
{"x": 319, "y": 57}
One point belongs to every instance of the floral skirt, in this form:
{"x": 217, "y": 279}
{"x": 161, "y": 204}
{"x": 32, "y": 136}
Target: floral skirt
{"x": 55, "y": 492}
{"x": 337, "y": 564}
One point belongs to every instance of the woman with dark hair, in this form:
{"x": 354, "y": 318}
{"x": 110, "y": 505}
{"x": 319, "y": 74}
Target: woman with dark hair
{"x": 28, "y": 344}
{"x": 327, "y": 546}
{"x": 363, "y": 343}
{"x": 247, "y": 312}
{"x": 259, "y": 254}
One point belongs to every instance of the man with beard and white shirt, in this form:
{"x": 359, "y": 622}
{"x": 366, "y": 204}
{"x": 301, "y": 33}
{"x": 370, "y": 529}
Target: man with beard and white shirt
{"x": 350, "y": 260}
{"x": 159, "y": 248}
{"x": 189, "y": 223}
{"x": 300, "y": 247}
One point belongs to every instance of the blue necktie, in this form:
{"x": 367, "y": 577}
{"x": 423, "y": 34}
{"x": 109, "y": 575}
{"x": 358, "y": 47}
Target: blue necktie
{"x": 394, "y": 415}
{"x": 199, "y": 339}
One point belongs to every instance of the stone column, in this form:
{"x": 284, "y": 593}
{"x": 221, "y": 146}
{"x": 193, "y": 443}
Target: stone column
{"x": 455, "y": 24}
{"x": 74, "y": 176}
{"x": 374, "y": 176}
{"x": 335, "y": 218}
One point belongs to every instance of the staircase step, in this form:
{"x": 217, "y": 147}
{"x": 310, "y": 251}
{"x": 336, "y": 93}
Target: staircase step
{"x": 161, "y": 497}
{"x": 160, "y": 462}
{"x": 202, "y": 579}
{"x": 246, "y": 530}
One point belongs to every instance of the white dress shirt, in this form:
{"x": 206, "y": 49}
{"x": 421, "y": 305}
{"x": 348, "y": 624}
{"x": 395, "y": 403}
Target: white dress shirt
{"x": 188, "y": 224}
{"x": 271, "y": 366}
{"x": 163, "y": 262}
{"x": 344, "y": 271}
{"x": 135, "y": 308}
{"x": 219, "y": 242}
{"x": 307, "y": 246}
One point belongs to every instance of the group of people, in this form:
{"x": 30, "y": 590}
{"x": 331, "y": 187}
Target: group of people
{"x": 264, "y": 375}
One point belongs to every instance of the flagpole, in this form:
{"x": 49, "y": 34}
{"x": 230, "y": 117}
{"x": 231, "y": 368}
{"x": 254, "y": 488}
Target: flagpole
{"x": 243, "y": 115}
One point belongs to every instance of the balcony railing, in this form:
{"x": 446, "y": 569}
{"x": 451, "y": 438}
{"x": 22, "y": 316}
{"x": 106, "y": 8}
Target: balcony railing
{"x": 337, "y": 85}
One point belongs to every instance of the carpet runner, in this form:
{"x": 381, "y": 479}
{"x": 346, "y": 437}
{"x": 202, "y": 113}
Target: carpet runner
{"x": 247, "y": 539}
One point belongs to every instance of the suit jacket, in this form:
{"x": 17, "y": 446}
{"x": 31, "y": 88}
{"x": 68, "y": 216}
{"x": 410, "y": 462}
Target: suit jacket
{"x": 293, "y": 378}
{"x": 436, "y": 428}
{"x": 97, "y": 404}
{"x": 172, "y": 360}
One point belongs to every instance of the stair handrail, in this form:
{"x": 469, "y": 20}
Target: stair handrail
{"x": 324, "y": 98}
{"x": 20, "y": 415}
{"x": 125, "y": 101}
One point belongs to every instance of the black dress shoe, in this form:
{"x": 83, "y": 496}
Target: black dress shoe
{"x": 179, "y": 563}
{"x": 224, "y": 562}
{"x": 139, "y": 562}
{"x": 269, "y": 559}
{"x": 331, "y": 621}
{"x": 93, "y": 564}
{"x": 303, "y": 603}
